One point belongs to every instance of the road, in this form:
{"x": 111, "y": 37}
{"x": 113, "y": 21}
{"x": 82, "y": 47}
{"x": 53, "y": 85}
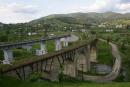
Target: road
{"x": 115, "y": 70}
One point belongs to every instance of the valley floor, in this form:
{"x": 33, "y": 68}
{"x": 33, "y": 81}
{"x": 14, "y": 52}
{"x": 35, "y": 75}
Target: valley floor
{"x": 11, "y": 82}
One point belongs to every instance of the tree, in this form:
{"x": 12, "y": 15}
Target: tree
{"x": 3, "y": 38}
{"x": 128, "y": 27}
{"x": 46, "y": 27}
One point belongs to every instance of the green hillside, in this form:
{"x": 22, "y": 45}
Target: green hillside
{"x": 61, "y": 22}
{"x": 91, "y": 17}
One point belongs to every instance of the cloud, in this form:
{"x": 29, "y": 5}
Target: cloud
{"x": 125, "y": 1}
{"x": 17, "y": 12}
{"x": 124, "y": 6}
{"x": 19, "y": 8}
{"x": 109, "y": 5}
{"x": 25, "y": 9}
{"x": 98, "y": 6}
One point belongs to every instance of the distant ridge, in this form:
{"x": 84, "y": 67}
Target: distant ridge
{"x": 81, "y": 18}
{"x": 91, "y": 17}
{"x": 1, "y": 23}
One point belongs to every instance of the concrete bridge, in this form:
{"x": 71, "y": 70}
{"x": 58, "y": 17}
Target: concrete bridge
{"x": 70, "y": 60}
{"x": 50, "y": 65}
{"x": 8, "y": 53}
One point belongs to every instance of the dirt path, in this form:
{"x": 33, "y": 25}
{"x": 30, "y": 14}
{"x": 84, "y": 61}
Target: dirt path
{"x": 115, "y": 70}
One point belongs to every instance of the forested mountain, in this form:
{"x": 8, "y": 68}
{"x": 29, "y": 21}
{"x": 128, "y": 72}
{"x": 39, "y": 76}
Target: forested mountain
{"x": 79, "y": 18}
{"x": 92, "y": 17}
{"x": 72, "y": 20}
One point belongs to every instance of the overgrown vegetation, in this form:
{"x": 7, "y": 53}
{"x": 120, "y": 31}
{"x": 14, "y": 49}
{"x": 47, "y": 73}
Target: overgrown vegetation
{"x": 123, "y": 42}
{"x": 11, "y": 82}
{"x": 104, "y": 55}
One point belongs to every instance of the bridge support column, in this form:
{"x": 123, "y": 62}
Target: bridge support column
{"x": 51, "y": 70}
{"x": 83, "y": 60}
{"x": 65, "y": 42}
{"x": 93, "y": 54}
{"x": 58, "y": 44}
{"x": 42, "y": 50}
{"x": 88, "y": 62}
{"x": 70, "y": 69}
{"x": 8, "y": 56}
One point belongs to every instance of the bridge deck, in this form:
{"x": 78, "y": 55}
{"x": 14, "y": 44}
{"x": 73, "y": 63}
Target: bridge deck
{"x": 31, "y": 42}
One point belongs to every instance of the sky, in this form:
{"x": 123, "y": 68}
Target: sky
{"x": 19, "y": 11}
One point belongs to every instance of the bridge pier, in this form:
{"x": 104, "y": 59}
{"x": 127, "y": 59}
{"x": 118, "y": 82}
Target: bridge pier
{"x": 8, "y": 56}
{"x": 65, "y": 42}
{"x": 51, "y": 69}
{"x": 83, "y": 60}
{"x": 70, "y": 66}
{"x": 88, "y": 58}
{"x": 42, "y": 50}
{"x": 58, "y": 44}
{"x": 93, "y": 54}
{"x": 70, "y": 69}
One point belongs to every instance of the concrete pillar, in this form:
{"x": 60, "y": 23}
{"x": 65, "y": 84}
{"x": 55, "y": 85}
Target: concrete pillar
{"x": 93, "y": 54}
{"x": 43, "y": 47}
{"x": 65, "y": 42}
{"x": 70, "y": 69}
{"x": 8, "y": 56}
{"x": 82, "y": 63}
{"x": 42, "y": 50}
{"x": 88, "y": 59}
{"x": 83, "y": 60}
{"x": 58, "y": 44}
{"x": 53, "y": 67}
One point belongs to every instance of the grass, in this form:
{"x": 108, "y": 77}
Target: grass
{"x": 104, "y": 53}
{"x": 11, "y": 82}
{"x": 50, "y": 45}
{"x": 92, "y": 72}
{"x": 126, "y": 62}
{"x": 21, "y": 54}
{"x": 124, "y": 51}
